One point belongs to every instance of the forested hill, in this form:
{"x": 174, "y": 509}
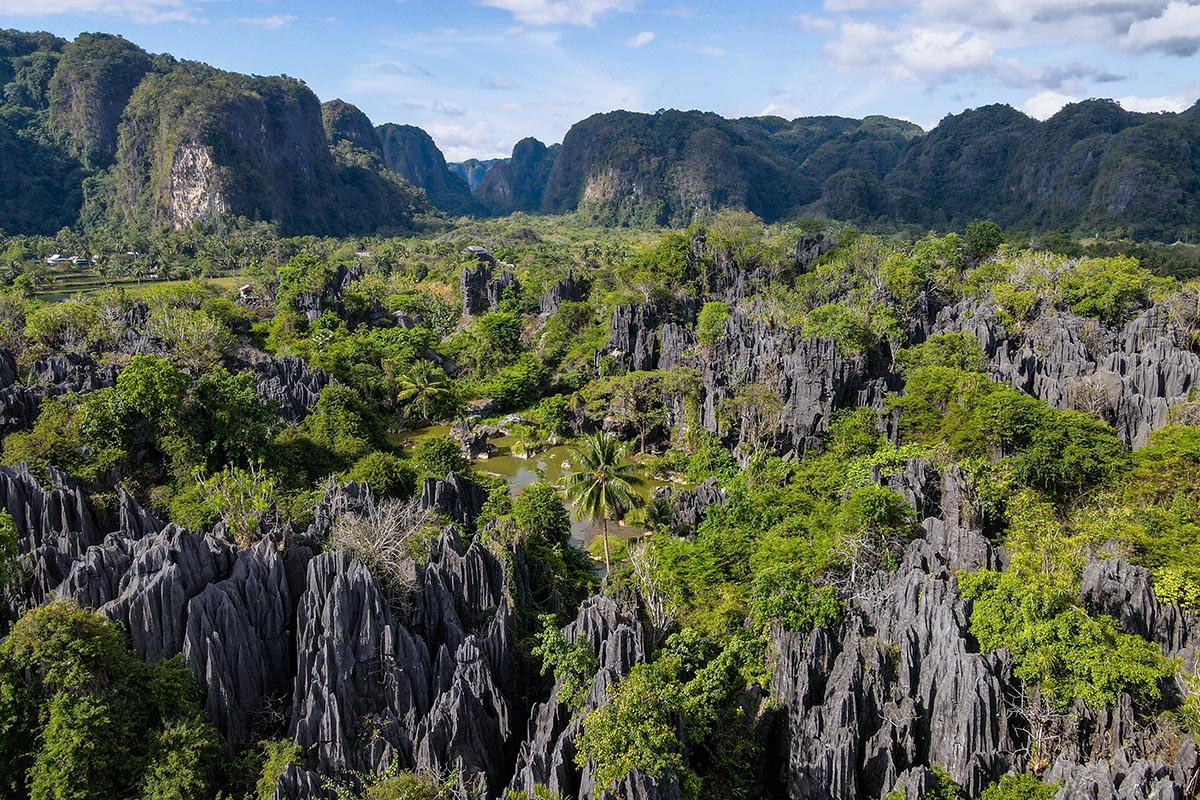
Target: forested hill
{"x": 97, "y": 132}
{"x": 1092, "y": 166}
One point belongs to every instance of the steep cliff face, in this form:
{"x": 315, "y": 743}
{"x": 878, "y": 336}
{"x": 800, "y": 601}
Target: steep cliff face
{"x": 196, "y": 142}
{"x": 473, "y": 170}
{"x": 667, "y": 167}
{"x": 344, "y": 122}
{"x": 411, "y": 153}
{"x": 519, "y": 183}
{"x": 94, "y": 80}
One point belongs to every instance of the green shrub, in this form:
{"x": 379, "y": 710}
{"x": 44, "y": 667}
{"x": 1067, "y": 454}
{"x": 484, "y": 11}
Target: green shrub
{"x": 711, "y": 322}
{"x": 437, "y": 457}
{"x": 573, "y": 665}
{"x": 81, "y": 716}
{"x": 1021, "y": 786}
{"x": 1058, "y": 647}
{"x": 277, "y": 757}
{"x": 385, "y": 474}
{"x": 850, "y": 330}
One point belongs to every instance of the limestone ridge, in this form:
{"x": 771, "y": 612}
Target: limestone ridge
{"x": 1130, "y": 375}
{"x": 167, "y": 143}
{"x": 870, "y": 704}
{"x": 411, "y": 153}
{"x": 899, "y": 687}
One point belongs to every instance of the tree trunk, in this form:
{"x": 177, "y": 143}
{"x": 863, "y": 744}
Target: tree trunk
{"x": 607, "y": 564}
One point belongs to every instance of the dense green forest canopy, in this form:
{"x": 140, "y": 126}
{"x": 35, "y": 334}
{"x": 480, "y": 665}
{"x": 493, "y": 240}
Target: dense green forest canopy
{"x": 184, "y": 429}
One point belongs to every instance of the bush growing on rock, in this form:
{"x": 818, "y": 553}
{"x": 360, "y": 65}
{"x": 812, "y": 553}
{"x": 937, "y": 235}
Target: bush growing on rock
{"x": 76, "y": 719}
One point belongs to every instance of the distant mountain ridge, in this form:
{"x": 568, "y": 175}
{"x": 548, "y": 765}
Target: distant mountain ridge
{"x": 99, "y": 132}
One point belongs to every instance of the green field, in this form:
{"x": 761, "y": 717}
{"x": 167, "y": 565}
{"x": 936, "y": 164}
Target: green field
{"x": 66, "y": 284}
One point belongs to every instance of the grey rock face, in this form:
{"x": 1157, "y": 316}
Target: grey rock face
{"x": 55, "y": 527}
{"x": 8, "y": 369}
{"x": 48, "y": 377}
{"x": 454, "y": 498}
{"x": 481, "y": 291}
{"x": 70, "y": 372}
{"x": 1131, "y": 376}
{"x": 166, "y": 571}
{"x": 811, "y": 379}
{"x": 809, "y": 249}
{"x": 425, "y": 686}
{"x": 568, "y": 290}
{"x": 358, "y": 685}
{"x": 547, "y": 755}
{"x": 237, "y": 639}
{"x": 474, "y": 440}
{"x": 311, "y": 304}
{"x": 290, "y": 383}
{"x": 895, "y": 686}
{"x": 688, "y": 506}
{"x": 297, "y": 783}
{"x": 1122, "y": 590}
{"x": 633, "y": 337}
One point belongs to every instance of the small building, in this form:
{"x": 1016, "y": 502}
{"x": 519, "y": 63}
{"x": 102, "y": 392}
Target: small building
{"x": 54, "y": 259}
{"x": 247, "y": 290}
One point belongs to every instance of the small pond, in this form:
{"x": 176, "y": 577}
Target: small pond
{"x": 552, "y": 464}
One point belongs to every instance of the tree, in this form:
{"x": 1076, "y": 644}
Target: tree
{"x": 711, "y": 322}
{"x": 81, "y": 716}
{"x": 601, "y": 487}
{"x": 425, "y": 389}
{"x": 438, "y": 456}
{"x": 984, "y": 238}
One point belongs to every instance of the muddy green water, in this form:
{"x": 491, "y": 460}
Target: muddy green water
{"x": 551, "y": 464}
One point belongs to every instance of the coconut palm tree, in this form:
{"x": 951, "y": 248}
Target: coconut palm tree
{"x": 422, "y": 388}
{"x": 601, "y": 486}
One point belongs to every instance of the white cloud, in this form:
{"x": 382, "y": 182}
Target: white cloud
{"x": 1175, "y": 32}
{"x": 780, "y": 110}
{"x": 929, "y": 55}
{"x": 272, "y": 23}
{"x": 844, "y": 6}
{"x": 559, "y": 12}
{"x": 1044, "y": 105}
{"x": 138, "y": 10}
{"x": 813, "y": 24}
{"x": 938, "y": 41}
{"x": 1150, "y": 104}
{"x": 445, "y": 109}
{"x": 711, "y": 51}
{"x": 641, "y": 39}
{"x": 495, "y": 82}
{"x": 460, "y": 141}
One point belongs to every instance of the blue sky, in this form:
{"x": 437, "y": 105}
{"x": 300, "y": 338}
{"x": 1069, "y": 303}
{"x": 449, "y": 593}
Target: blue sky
{"x": 481, "y": 74}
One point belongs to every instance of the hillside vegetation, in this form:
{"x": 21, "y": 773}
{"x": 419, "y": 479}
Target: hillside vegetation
{"x": 97, "y": 132}
{"x": 951, "y": 479}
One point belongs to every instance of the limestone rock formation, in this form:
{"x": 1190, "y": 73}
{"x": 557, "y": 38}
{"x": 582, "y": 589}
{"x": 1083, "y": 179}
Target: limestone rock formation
{"x": 482, "y": 291}
{"x": 238, "y": 642}
{"x": 568, "y": 290}
{"x": 291, "y": 384}
{"x": 1131, "y": 376}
